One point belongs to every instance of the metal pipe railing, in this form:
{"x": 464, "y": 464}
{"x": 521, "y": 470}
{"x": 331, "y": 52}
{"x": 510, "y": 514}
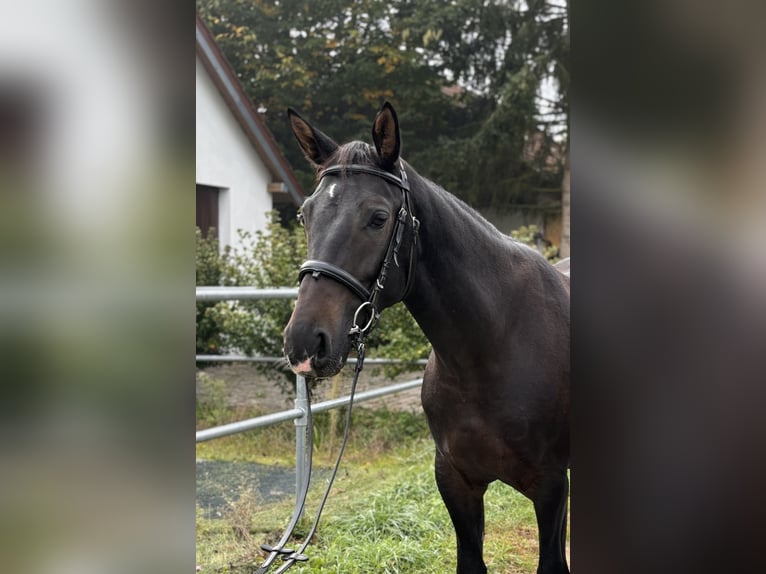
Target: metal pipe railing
{"x": 300, "y": 412}
{"x": 244, "y": 293}
{"x": 249, "y": 424}
{"x": 262, "y": 359}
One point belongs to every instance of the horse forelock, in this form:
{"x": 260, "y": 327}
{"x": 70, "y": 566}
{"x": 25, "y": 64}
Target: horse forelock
{"x": 356, "y": 152}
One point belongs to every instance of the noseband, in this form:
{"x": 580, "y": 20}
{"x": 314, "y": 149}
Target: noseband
{"x": 370, "y": 297}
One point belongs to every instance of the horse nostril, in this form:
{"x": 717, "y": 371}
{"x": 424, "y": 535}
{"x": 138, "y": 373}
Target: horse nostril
{"x": 323, "y": 345}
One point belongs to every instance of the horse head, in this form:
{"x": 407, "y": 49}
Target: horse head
{"x": 354, "y": 226}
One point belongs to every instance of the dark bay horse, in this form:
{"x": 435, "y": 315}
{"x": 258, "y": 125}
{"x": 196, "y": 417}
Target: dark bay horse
{"x": 496, "y": 387}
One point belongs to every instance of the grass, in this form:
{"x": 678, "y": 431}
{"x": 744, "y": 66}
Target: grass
{"x": 384, "y": 513}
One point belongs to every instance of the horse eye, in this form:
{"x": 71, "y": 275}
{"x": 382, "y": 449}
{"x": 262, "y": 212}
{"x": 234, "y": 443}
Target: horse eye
{"x": 378, "y": 219}
{"x": 301, "y": 221}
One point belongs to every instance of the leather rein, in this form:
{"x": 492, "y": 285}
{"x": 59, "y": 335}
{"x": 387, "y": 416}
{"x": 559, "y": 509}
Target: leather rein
{"x": 369, "y": 299}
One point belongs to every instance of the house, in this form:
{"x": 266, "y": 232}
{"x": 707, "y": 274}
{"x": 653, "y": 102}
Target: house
{"x": 241, "y": 173}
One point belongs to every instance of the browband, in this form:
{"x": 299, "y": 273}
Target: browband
{"x": 356, "y": 168}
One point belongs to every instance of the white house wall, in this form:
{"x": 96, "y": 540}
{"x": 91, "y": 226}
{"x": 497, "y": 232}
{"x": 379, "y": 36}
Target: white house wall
{"x": 226, "y": 159}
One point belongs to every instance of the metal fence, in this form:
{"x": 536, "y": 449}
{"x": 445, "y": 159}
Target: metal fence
{"x": 299, "y": 413}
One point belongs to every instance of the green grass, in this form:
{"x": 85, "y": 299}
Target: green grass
{"x": 384, "y": 513}
{"x": 372, "y": 432}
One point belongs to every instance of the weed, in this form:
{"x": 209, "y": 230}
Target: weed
{"x": 240, "y": 514}
{"x": 384, "y": 515}
{"x": 211, "y": 399}
{"x": 373, "y": 432}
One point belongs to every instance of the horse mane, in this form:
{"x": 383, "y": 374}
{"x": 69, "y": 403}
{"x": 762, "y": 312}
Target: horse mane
{"x": 360, "y": 153}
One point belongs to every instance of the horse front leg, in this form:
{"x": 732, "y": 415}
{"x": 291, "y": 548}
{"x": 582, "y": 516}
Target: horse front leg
{"x": 550, "y": 503}
{"x": 465, "y": 504}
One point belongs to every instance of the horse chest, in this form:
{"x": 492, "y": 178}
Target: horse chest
{"x": 486, "y": 439}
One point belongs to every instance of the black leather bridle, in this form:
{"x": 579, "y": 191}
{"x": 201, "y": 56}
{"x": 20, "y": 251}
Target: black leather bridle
{"x": 370, "y": 297}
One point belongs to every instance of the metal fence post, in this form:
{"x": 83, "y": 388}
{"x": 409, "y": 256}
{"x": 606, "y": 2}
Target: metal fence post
{"x": 300, "y": 413}
{"x": 301, "y": 402}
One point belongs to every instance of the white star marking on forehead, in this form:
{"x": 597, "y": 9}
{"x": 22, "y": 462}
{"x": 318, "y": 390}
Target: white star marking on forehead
{"x": 331, "y": 191}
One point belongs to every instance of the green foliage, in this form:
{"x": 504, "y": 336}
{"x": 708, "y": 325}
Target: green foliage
{"x": 271, "y": 258}
{"x": 372, "y": 432}
{"x": 210, "y": 267}
{"x": 332, "y": 60}
{"x": 398, "y": 336}
{"x": 525, "y": 234}
{"x": 528, "y": 235}
{"x": 466, "y": 78}
{"x": 265, "y": 259}
{"x": 211, "y": 401}
{"x": 384, "y": 514}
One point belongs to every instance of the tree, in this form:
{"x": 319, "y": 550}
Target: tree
{"x": 564, "y": 250}
{"x": 512, "y": 60}
{"x": 336, "y": 61}
{"x": 481, "y": 87}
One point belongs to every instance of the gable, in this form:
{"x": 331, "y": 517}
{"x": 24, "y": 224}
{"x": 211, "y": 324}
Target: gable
{"x": 213, "y": 69}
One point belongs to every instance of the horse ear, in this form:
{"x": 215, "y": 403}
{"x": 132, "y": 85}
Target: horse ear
{"x": 385, "y": 134}
{"x": 316, "y": 146}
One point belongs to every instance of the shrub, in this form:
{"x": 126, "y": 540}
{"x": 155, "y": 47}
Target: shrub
{"x": 398, "y": 336}
{"x": 210, "y": 267}
{"x": 271, "y": 258}
{"x": 264, "y": 259}
{"x": 529, "y": 235}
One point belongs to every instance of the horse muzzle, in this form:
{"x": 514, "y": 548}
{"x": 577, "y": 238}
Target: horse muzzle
{"x": 312, "y": 353}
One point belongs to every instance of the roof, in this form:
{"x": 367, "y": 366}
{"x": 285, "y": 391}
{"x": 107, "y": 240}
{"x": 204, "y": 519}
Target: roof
{"x": 249, "y": 119}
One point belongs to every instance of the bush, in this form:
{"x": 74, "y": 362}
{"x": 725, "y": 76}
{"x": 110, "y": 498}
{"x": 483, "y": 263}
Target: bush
{"x": 398, "y": 336}
{"x": 271, "y": 258}
{"x": 210, "y": 267}
{"x": 265, "y": 259}
{"x": 529, "y": 235}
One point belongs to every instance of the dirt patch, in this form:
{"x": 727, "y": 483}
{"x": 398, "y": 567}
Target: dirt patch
{"x": 245, "y": 385}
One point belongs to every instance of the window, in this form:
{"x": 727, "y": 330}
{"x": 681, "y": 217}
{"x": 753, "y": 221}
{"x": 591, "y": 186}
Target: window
{"x": 207, "y": 208}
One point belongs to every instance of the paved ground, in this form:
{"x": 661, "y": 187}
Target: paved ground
{"x": 219, "y": 483}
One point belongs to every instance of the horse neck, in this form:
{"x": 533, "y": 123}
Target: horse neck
{"x": 458, "y": 286}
